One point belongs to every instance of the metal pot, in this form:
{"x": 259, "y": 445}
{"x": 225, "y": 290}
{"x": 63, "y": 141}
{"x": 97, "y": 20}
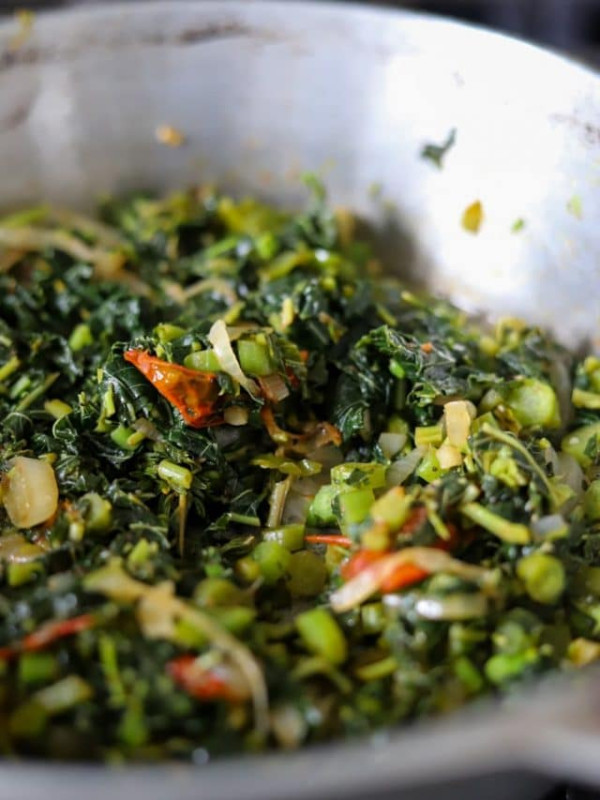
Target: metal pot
{"x": 263, "y": 91}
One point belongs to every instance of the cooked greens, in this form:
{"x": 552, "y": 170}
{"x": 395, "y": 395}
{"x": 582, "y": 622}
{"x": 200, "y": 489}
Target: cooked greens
{"x": 257, "y": 494}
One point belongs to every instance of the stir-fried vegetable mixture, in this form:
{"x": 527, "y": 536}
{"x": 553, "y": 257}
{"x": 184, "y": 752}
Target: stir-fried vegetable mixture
{"x": 256, "y": 495}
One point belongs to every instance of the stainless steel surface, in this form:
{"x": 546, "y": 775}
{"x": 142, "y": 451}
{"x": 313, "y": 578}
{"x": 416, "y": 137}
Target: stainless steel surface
{"x": 263, "y": 91}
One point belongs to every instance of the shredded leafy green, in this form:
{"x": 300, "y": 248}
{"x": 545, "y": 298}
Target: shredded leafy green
{"x": 254, "y": 495}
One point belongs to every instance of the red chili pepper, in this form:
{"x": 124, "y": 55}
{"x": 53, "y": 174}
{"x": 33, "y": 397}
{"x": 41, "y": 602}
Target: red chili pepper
{"x": 406, "y": 574}
{"x": 47, "y": 634}
{"x": 360, "y": 561}
{"x": 193, "y": 393}
{"x": 204, "y": 684}
{"x": 326, "y": 538}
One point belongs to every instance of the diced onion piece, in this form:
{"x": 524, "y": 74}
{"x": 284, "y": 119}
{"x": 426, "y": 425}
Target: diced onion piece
{"x": 30, "y": 492}
{"x": 296, "y": 508}
{"x": 236, "y": 415}
{"x": 552, "y": 524}
{"x": 219, "y": 338}
{"x": 458, "y": 422}
{"x": 15, "y": 549}
{"x": 400, "y": 470}
{"x": 155, "y": 614}
{"x": 448, "y": 456}
{"x": 274, "y": 387}
{"x": 289, "y": 726}
{"x": 328, "y": 455}
{"x": 391, "y": 443}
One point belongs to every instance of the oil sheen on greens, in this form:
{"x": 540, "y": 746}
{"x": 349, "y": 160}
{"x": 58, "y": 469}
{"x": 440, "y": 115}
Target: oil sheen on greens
{"x": 256, "y": 495}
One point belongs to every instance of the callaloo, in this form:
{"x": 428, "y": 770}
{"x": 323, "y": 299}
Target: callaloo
{"x": 256, "y": 493}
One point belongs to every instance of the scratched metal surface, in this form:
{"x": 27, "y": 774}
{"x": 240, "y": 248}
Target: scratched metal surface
{"x": 263, "y": 91}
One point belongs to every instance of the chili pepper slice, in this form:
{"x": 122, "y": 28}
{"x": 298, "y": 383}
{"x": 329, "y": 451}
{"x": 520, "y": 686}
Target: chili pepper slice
{"x": 193, "y": 393}
{"x": 205, "y": 684}
{"x": 405, "y": 574}
{"x": 327, "y": 538}
{"x": 47, "y": 634}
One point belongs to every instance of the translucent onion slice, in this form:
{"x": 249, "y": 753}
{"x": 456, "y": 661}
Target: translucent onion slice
{"x": 274, "y": 387}
{"x": 400, "y": 470}
{"x": 449, "y": 456}
{"x": 391, "y": 443}
{"x": 219, "y": 338}
{"x": 29, "y": 492}
{"x": 236, "y": 415}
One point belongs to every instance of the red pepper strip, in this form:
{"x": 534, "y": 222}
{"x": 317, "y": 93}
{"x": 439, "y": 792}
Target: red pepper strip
{"x": 204, "y": 684}
{"x": 405, "y": 574}
{"x": 47, "y": 634}
{"x": 326, "y": 538}
{"x": 193, "y": 393}
{"x": 360, "y": 561}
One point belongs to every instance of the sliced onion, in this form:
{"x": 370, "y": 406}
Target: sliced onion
{"x": 391, "y": 443}
{"x": 274, "y": 387}
{"x": 328, "y": 455}
{"x": 554, "y": 523}
{"x": 570, "y": 473}
{"x": 458, "y": 422}
{"x": 154, "y": 613}
{"x": 29, "y": 492}
{"x": 449, "y": 456}
{"x": 296, "y": 508}
{"x": 105, "y": 235}
{"x": 15, "y": 549}
{"x": 237, "y": 331}
{"x": 236, "y": 415}
{"x": 300, "y": 497}
{"x": 367, "y": 582}
{"x": 32, "y": 239}
{"x": 402, "y": 469}
{"x": 219, "y": 338}
{"x": 453, "y": 607}
{"x": 216, "y": 285}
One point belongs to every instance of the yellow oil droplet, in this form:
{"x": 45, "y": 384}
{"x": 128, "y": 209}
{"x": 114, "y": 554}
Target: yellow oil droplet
{"x": 472, "y": 217}
{"x": 170, "y": 136}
